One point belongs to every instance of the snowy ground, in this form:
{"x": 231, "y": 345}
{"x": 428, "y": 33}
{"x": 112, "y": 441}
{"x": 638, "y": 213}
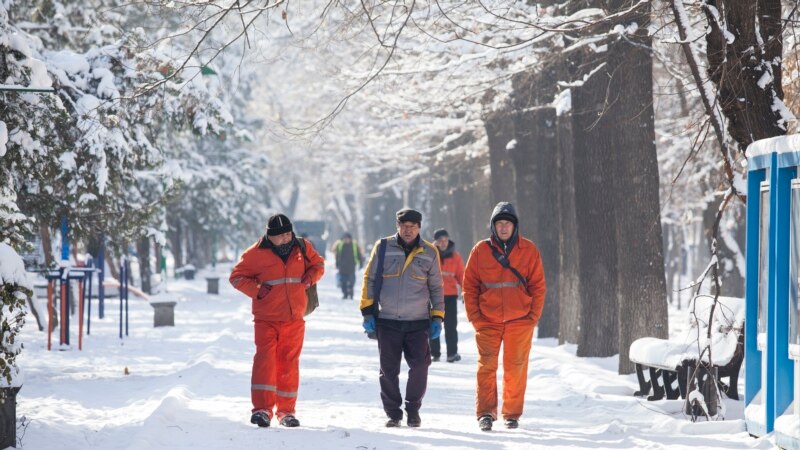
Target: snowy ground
{"x": 188, "y": 387}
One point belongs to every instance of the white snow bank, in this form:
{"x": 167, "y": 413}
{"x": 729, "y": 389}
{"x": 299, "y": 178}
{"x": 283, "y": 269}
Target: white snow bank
{"x": 778, "y": 144}
{"x": 12, "y": 269}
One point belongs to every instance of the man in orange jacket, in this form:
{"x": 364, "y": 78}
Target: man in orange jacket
{"x": 452, "y": 274}
{"x": 275, "y": 273}
{"x": 504, "y": 291}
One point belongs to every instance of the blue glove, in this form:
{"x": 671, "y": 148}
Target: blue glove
{"x": 436, "y": 328}
{"x": 369, "y": 324}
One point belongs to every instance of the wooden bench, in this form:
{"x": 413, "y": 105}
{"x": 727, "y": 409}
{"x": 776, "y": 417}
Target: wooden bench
{"x": 668, "y": 361}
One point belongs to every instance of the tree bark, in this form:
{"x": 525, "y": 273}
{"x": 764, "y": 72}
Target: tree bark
{"x": 499, "y": 131}
{"x": 535, "y": 171}
{"x": 641, "y": 285}
{"x": 145, "y": 269}
{"x": 596, "y": 235}
{"x": 747, "y": 74}
{"x": 569, "y": 300}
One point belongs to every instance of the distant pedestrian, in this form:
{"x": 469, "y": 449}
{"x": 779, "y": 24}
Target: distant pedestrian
{"x": 404, "y": 307}
{"x": 275, "y": 273}
{"x": 348, "y": 257}
{"x": 452, "y": 274}
{"x": 504, "y": 290}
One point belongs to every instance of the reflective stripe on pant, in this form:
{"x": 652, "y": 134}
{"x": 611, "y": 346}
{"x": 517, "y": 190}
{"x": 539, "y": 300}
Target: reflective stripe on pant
{"x": 516, "y": 340}
{"x": 276, "y": 366}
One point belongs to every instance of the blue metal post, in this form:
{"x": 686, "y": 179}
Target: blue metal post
{"x": 122, "y": 276}
{"x": 752, "y": 356}
{"x": 101, "y": 275}
{"x": 64, "y": 240}
{"x": 784, "y": 366}
{"x": 769, "y": 365}
{"x": 127, "y": 281}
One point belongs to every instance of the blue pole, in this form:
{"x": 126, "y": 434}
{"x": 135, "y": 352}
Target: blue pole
{"x": 127, "y": 280}
{"x": 101, "y": 275}
{"x": 121, "y": 292}
{"x": 784, "y": 366}
{"x": 752, "y": 356}
{"x": 64, "y": 240}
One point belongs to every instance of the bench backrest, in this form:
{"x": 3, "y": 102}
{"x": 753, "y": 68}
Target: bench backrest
{"x": 727, "y": 326}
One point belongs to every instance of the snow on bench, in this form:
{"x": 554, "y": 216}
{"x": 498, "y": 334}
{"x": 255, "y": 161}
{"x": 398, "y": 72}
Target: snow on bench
{"x": 676, "y": 358}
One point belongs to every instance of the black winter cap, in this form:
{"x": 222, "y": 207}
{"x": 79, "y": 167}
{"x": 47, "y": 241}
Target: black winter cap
{"x": 441, "y": 232}
{"x": 409, "y": 215}
{"x": 278, "y": 224}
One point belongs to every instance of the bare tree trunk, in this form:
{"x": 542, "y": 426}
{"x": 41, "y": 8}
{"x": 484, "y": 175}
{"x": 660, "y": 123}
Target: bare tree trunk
{"x": 747, "y": 73}
{"x": 499, "y": 131}
{"x": 594, "y": 207}
{"x": 535, "y": 170}
{"x": 145, "y": 269}
{"x": 641, "y": 286}
{"x": 569, "y": 301}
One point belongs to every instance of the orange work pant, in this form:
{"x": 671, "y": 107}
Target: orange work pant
{"x": 276, "y": 366}
{"x": 516, "y": 338}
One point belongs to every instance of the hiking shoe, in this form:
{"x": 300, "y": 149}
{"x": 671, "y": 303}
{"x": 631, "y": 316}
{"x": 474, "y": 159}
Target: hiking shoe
{"x": 260, "y": 418}
{"x": 512, "y": 423}
{"x": 392, "y": 423}
{"x": 290, "y": 422}
{"x": 435, "y": 358}
{"x": 413, "y": 419}
{"x": 485, "y": 422}
{"x": 453, "y": 358}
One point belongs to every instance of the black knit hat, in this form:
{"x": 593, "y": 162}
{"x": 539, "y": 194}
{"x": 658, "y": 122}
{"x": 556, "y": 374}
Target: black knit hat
{"x": 278, "y": 224}
{"x": 441, "y": 232}
{"x": 409, "y": 215}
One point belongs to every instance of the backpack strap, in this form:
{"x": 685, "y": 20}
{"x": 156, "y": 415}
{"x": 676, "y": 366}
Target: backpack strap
{"x": 503, "y": 260}
{"x": 301, "y": 242}
{"x": 378, "y": 285}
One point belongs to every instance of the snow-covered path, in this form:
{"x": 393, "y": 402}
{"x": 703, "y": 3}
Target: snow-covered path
{"x": 188, "y": 387}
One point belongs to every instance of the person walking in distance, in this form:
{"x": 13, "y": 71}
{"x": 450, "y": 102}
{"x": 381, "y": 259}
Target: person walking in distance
{"x": 348, "y": 257}
{"x": 452, "y": 274}
{"x": 504, "y": 291}
{"x": 402, "y": 304}
{"x": 275, "y": 273}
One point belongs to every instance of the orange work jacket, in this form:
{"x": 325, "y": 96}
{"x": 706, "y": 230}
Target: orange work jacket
{"x": 452, "y": 273}
{"x": 494, "y": 294}
{"x": 286, "y": 299}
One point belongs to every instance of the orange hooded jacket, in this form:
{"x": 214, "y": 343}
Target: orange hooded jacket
{"x": 286, "y": 299}
{"x": 494, "y": 294}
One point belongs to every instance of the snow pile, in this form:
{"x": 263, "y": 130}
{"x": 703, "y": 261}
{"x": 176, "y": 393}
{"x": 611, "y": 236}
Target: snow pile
{"x": 727, "y": 325}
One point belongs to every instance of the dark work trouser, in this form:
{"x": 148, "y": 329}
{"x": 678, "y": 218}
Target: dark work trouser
{"x": 348, "y": 280}
{"x": 393, "y": 344}
{"x": 450, "y": 328}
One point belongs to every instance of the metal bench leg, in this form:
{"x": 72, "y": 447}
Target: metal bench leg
{"x": 658, "y": 390}
{"x": 669, "y": 379}
{"x": 733, "y": 387}
{"x": 644, "y": 385}
{"x": 684, "y": 371}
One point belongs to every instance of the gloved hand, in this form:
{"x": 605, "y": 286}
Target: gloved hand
{"x": 369, "y": 323}
{"x": 263, "y": 291}
{"x": 306, "y": 281}
{"x": 436, "y": 328}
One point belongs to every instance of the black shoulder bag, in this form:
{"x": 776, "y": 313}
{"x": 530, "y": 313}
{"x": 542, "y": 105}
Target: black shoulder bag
{"x": 312, "y": 300}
